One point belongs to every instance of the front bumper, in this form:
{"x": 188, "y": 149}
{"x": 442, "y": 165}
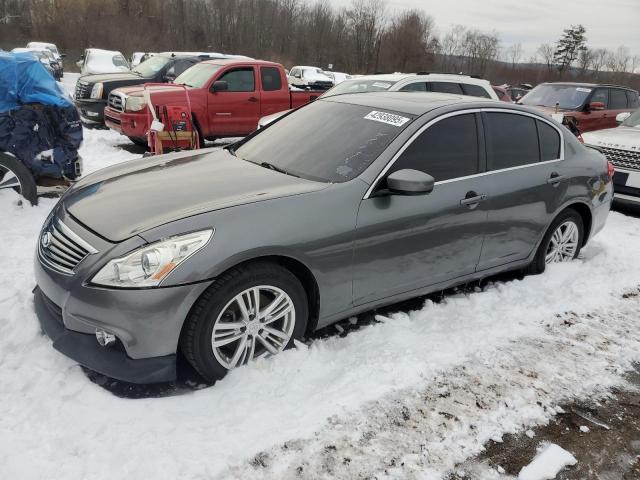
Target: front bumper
{"x": 131, "y": 124}
{"x": 84, "y": 349}
{"x": 147, "y": 322}
{"x": 91, "y": 111}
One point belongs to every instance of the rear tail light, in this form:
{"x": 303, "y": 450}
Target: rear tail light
{"x": 610, "y": 169}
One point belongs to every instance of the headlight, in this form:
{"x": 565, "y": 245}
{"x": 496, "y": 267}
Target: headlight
{"x": 149, "y": 265}
{"x": 135, "y": 104}
{"x": 96, "y": 91}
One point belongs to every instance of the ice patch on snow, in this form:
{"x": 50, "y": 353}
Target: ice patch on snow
{"x": 548, "y": 462}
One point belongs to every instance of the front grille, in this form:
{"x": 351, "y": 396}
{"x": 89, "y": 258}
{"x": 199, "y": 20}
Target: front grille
{"x": 83, "y": 89}
{"x": 116, "y": 101}
{"x": 622, "y": 158}
{"x": 61, "y": 248}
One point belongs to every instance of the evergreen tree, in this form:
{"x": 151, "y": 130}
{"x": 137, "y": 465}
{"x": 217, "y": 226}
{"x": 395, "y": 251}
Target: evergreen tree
{"x": 569, "y": 47}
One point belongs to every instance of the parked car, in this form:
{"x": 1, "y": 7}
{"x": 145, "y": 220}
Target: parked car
{"x": 46, "y": 58}
{"x": 517, "y": 92}
{"x": 309, "y": 78}
{"x": 406, "y": 82}
{"x": 52, "y": 48}
{"x": 345, "y": 205}
{"x": 621, "y": 146}
{"x": 590, "y": 106}
{"x": 92, "y": 91}
{"x": 227, "y": 98}
{"x": 337, "y": 77}
{"x": 503, "y": 93}
{"x": 138, "y": 57}
{"x": 95, "y": 60}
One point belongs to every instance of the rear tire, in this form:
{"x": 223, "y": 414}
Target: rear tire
{"x": 139, "y": 141}
{"x": 15, "y": 175}
{"x": 218, "y": 335}
{"x": 561, "y": 243}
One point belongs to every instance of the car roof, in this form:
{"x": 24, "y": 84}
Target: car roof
{"x": 396, "y": 77}
{"x": 240, "y": 61}
{"x": 413, "y": 103}
{"x": 588, "y": 85}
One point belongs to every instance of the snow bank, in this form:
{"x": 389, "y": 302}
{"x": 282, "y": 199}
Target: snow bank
{"x": 548, "y": 462}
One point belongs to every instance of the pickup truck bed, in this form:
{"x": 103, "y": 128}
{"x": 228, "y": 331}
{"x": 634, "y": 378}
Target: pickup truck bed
{"x": 227, "y": 103}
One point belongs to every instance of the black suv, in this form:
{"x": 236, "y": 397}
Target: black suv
{"x": 92, "y": 91}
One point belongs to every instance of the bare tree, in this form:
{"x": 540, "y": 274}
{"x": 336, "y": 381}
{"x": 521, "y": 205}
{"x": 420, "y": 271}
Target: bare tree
{"x": 546, "y": 52}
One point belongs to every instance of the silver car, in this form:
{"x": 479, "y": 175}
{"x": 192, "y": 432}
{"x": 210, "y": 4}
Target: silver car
{"x": 348, "y": 204}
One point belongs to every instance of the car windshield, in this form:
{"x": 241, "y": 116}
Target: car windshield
{"x": 150, "y": 67}
{"x": 568, "y": 97}
{"x": 359, "y": 86}
{"x": 198, "y": 75}
{"x": 325, "y": 141}
{"x": 633, "y": 120}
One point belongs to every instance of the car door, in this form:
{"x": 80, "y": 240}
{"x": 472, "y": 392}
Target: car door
{"x": 404, "y": 243}
{"x": 273, "y": 97}
{"x": 617, "y": 104}
{"x": 236, "y": 110}
{"x": 595, "y": 119}
{"x": 527, "y": 184}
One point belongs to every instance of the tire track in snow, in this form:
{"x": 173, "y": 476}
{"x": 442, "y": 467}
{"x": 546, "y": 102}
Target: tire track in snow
{"x": 426, "y": 432}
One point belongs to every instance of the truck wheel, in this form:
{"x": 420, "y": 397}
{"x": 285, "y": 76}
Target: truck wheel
{"x": 249, "y": 312}
{"x": 14, "y": 175}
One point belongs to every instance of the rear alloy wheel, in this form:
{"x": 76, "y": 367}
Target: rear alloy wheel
{"x": 561, "y": 243}
{"x": 250, "y": 312}
{"x": 15, "y": 176}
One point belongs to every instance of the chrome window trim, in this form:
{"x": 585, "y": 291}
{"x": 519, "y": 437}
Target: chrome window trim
{"x": 369, "y": 191}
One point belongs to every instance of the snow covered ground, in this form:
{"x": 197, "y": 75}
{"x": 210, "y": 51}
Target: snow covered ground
{"x": 413, "y": 396}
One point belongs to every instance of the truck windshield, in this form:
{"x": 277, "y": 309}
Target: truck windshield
{"x": 198, "y": 75}
{"x": 359, "y": 86}
{"x": 568, "y": 97}
{"x": 151, "y": 67}
{"x": 325, "y": 141}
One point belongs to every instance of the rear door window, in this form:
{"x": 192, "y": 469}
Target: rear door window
{"x": 446, "y": 150}
{"x": 512, "y": 140}
{"x": 549, "y": 141}
{"x": 475, "y": 91}
{"x": 446, "y": 87}
{"x": 617, "y": 99}
{"x": 633, "y": 100}
{"x": 270, "y": 78}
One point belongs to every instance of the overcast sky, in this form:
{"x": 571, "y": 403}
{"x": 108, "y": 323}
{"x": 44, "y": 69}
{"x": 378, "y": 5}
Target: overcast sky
{"x": 609, "y": 23}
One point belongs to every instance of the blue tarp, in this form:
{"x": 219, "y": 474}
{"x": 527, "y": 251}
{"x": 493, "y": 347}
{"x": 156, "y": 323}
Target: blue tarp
{"x": 38, "y": 122}
{"x": 23, "y": 79}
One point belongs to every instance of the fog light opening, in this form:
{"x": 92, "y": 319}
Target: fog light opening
{"x": 105, "y": 339}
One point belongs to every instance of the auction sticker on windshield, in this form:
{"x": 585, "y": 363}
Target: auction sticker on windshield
{"x": 385, "y": 117}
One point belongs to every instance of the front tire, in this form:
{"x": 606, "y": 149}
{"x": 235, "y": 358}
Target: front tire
{"x": 561, "y": 243}
{"x": 16, "y": 176}
{"x": 250, "y": 312}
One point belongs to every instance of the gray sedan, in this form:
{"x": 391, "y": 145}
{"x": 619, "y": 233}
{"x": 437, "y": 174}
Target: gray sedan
{"x": 350, "y": 203}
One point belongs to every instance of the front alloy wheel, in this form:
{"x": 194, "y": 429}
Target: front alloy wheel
{"x": 257, "y": 322}
{"x": 251, "y": 311}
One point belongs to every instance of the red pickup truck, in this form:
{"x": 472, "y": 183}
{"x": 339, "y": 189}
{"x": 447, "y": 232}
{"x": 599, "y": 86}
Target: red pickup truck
{"x": 227, "y": 98}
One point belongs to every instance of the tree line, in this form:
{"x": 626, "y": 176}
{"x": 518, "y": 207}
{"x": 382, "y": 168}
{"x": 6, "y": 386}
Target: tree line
{"x": 361, "y": 38}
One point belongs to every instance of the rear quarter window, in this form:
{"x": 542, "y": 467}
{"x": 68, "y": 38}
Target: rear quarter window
{"x": 270, "y": 78}
{"x": 475, "y": 91}
{"x": 549, "y": 142}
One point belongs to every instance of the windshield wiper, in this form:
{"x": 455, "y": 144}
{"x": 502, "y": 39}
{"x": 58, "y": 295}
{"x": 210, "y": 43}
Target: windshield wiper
{"x": 275, "y": 168}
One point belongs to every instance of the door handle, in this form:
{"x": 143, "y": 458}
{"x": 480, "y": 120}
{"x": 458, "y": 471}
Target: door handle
{"x": 472, "y": 199}
{"x": 555, "y": 179}
{"x": 253, "y": 99}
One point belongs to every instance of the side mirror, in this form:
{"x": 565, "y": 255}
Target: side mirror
{"x": 410, "y": 182}
{"x": 593, "y": 106}
{"x": 219, "y": 86}
{"x": 621, "y": 117}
